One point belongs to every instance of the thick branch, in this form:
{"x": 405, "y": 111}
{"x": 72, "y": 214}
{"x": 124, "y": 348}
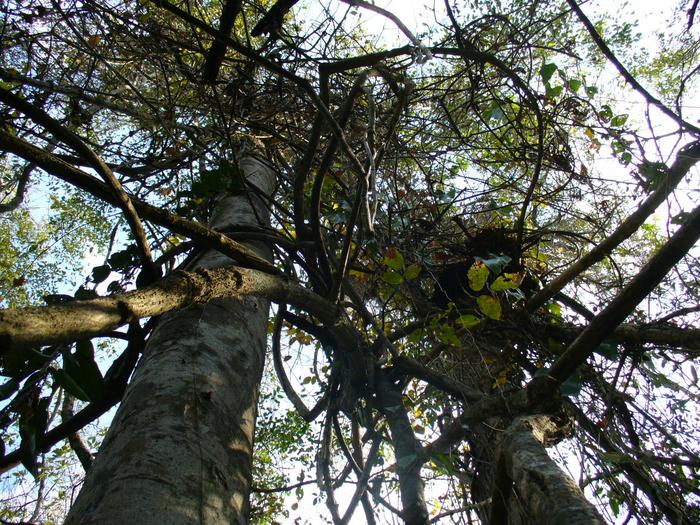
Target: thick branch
{"x": 685, "y": 160}
{"x": 671, "y": 336}
{"x": 21, "y": 328}
{"x": 406, "y": 450}
{"x": 625, "y": 303}
{"x": 218, "y": 47}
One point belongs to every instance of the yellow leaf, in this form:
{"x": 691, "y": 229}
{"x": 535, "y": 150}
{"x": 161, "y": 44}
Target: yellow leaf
{"x": 501, "y": 380}
{"x": 477, "y": 275}
{"x": 507, "y": 281}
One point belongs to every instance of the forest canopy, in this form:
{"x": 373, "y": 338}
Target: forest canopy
{"x": 269, "y": 261}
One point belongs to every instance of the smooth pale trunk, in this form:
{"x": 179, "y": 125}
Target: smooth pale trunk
{"x": 179, "y": 450}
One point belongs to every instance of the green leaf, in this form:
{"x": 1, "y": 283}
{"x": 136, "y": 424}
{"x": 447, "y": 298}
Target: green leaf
{"x": 412, "y": 271}
{"x": 477, "y": 274}
{"x": 83, "y": 294}
{"x": 591, "y": 91}
{"x": 226, "y": 178}
{"x": 574, "y": 85}
{"x": 546, "y": 72}
{"x": 605, "y": 113}
{"x": 84, "y": 372}
{"x": 8, "y": 388}
{"x": 416, "y": 335}
{"x": 66, "y": 382}
{"x": 554, "y": 309}
{"x": 100, "y": 273}
{"x": 448, "y": 336}
{"x": 653, "y": 173}
{"x": 554, "y": 92}
{"x": 608, "y": 349}
{"x": 32, "y": 425}
{"x": 680, "y": 218}
{"x": 124, "y": 259}
{"x": 489, "y": 306}
{"x": 393, "y": 259}
{"x": 468, "y": 320}
{"x": 392, "y": 277}
{"x": 619, "y": 120}
{"x": 572, "y": 386}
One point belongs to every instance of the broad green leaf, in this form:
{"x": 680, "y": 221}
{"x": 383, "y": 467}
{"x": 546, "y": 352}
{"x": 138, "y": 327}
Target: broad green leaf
{"x": 392, "y": 277}
{"x": 100, "y": 273}
{"x": 8, "y": 388}
{"x": 393, "y": 259}
{"x": 572, "y": 386}
{"x": 653, "y": 172}
{"x": 84, "y": 294}
{"x": 412, "y": 271}
{"x": 546, "y": 72}
{"x": 574, "y": 85}
{"x": 554, "y": 309}
{"x": 591, "y": 91}
{"x": 448, "y": 335}
{"x": 69, "y": 385}
{"x": 489, "y": 306}
{"x": 554, "y": 92}
{"x": 477, "y": 274}
{"x": 605, "y": 113}
{"x": 32, "y": 425}
{"x": 83, "y": 370}
{"x": 416, "y": 335}
{"x": 619, "y": 120}
{"x": 608, "y": 349}
{"x": 468, "y": 320}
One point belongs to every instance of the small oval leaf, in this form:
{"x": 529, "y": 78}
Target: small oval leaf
{"x": 489, "y": 306}
{"x": 477, "y": 275}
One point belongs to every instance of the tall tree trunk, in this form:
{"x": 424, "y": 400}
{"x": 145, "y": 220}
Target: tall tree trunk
{"x": 179, "y": 450}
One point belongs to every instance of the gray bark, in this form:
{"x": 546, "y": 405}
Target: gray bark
{"x": 527, "y": 477}
{"x": 179, "y": 450}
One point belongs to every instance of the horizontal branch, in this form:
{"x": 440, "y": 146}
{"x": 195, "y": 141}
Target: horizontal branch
{"x": 64, "y": 323}
{"x": 671, "y": 336}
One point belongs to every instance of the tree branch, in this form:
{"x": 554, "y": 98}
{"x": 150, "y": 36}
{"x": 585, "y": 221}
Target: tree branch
{"x": 627, "y": 300}
{"x": 686, "y": 159}
{"x": 625, "y": 73}
{"x": 205, "y": 237}
{"x": 25, "y": 327}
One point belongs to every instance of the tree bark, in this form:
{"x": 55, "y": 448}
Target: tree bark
{"x": 527, "y": 474}
{"x": 179, "y": 450}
